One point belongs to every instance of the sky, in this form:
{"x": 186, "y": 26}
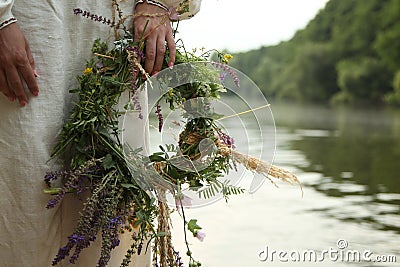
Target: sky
{"x": 242, "y": 25}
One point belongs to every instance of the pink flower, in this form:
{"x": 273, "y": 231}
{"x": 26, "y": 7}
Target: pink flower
{"x": 184, "y": 201}
{"x": 200, "y": 235}
{"x": 173, "y": 14}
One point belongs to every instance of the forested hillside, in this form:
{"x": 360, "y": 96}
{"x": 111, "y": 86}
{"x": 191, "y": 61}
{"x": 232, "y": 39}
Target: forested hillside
{"x": 350, "y": 52}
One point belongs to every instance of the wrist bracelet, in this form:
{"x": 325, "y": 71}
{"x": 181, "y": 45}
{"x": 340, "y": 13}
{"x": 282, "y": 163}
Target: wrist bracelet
{"x": 7, "y": 22}
{"x": 152, "y": 2}
{"x": 150, "y": 15}
{"x": 172, "y": 14}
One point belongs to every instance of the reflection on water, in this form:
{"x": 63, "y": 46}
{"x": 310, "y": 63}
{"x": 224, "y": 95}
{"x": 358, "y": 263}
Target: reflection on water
{"x": 349, "y": 163}
{"x": 358, "y": 153}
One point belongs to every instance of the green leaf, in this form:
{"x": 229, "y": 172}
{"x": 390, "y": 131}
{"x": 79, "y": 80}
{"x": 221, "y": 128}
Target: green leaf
{"x": 128, "y": 186}
{"x": 108, "y": 162}
{"x": 52, "y": 191}
{"x": 193, "y": 226}
{"x": 159, "y": 234}
{"x": 156, "y": 158}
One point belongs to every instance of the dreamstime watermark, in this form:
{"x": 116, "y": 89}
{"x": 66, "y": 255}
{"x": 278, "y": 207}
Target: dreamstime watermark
{"x": 340, "y": 253}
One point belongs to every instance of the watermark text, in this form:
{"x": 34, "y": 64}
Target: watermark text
{"x": 340, "y": 253}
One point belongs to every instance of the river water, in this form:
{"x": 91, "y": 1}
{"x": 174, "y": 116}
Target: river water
{"x": 348, "y": 160}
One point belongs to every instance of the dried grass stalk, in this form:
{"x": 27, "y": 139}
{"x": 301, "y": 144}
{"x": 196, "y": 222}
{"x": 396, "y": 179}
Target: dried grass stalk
{"x": 255, "y": 165}
{"x": 191, "y": 138}
{"x": 251, "y": 163}
{"x": 164, "y": 243}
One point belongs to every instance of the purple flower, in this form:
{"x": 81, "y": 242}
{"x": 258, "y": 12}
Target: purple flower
{"x": 173, "y": 14}
{"x": 136, "y": 50}
{"x": 115, "y": 243}
{"x": 226, "y": 139}
{"x": 160, "y": 117}
{"x": 222, "y": 76}
{"x": 184, "y": 201}
{"x": 78, "y": 11}
{"x": 116, "y": 220}
{"x": 51, "y": 204}
{"x": 76, "y": 238}
{"x": 63, "y": 252}
{"x": 54, "y": 201}
{"x": 178, "y": 260}
{"x": 50, "y": 176}
{"x": 200, "y": 235}
{"x": 229, "y": 70}
{"x": 94, "y": 17}
{"x": 135, "y": 93}
{"x": 136, "y": 104}
{"x": 99, "y": 65}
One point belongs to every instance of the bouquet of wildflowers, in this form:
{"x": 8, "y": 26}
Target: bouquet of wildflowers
{"x": 114, "y": 180}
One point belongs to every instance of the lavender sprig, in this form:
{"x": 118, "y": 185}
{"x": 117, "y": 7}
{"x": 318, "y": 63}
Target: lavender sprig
{"x": 226, "y": 139}
{"x": 135, "y": 93}
{"x": 160, "y": 117}
{"x": 135, "y": 49}
{"x": 229, "y": 70}
{"x": 178, "y": 261}
{"x": 94, "y": 17}
{"x": 74, "y": 178}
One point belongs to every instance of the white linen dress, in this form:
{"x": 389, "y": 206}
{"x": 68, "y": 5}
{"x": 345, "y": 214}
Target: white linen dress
{"x": 30, "y": 235}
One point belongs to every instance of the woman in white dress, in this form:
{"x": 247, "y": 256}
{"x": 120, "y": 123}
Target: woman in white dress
{"x": 43, "y": 46}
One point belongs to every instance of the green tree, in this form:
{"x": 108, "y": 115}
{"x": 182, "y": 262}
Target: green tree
{"x": 264, "y": 75}
{"x": 311, "y": 76}
{"x": 387, "y": 45}
{"x": 363, "y": 79}
{"x": 394, "y": 97}
{"x": 351, "y": 44}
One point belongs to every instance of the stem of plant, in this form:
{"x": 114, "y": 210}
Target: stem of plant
{"x": 189, "y": 253}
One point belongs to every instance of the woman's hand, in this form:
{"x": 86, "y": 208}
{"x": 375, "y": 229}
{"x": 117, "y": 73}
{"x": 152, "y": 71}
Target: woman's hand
{"x": 16, "y": 65}
{"x": 157, "y": 33}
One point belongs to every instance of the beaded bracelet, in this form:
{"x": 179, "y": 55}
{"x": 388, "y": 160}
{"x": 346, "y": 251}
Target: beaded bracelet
{"x": 7, "y": 22}
{"x": 171, "y": 14}
{"x": 152, "y": 2}
{"x": 150, "y": 15}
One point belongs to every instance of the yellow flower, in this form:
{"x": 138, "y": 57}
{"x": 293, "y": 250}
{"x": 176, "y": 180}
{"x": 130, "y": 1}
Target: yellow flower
{"x": 88, "y": 71}
{"x": 171, "y": 91}
{"x": 227, "y": 57}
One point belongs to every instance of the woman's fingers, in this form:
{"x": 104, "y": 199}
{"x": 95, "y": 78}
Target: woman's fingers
{"x": 14, "y": 80}
{"x": 172, "y": 49}
{"x": 4, "y": 88}
{"x": 155, "y": 52}
{"x": 30, "y": 74}
{"x": 160, "y": 53}
{"x": 156, "y": 49}
{"x": 150, "y": 54}
{"x": 157, "y": 32}
{"x": 16, "y": 65}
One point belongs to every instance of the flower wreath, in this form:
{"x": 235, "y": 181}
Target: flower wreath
{"x": 97, "y": 161}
